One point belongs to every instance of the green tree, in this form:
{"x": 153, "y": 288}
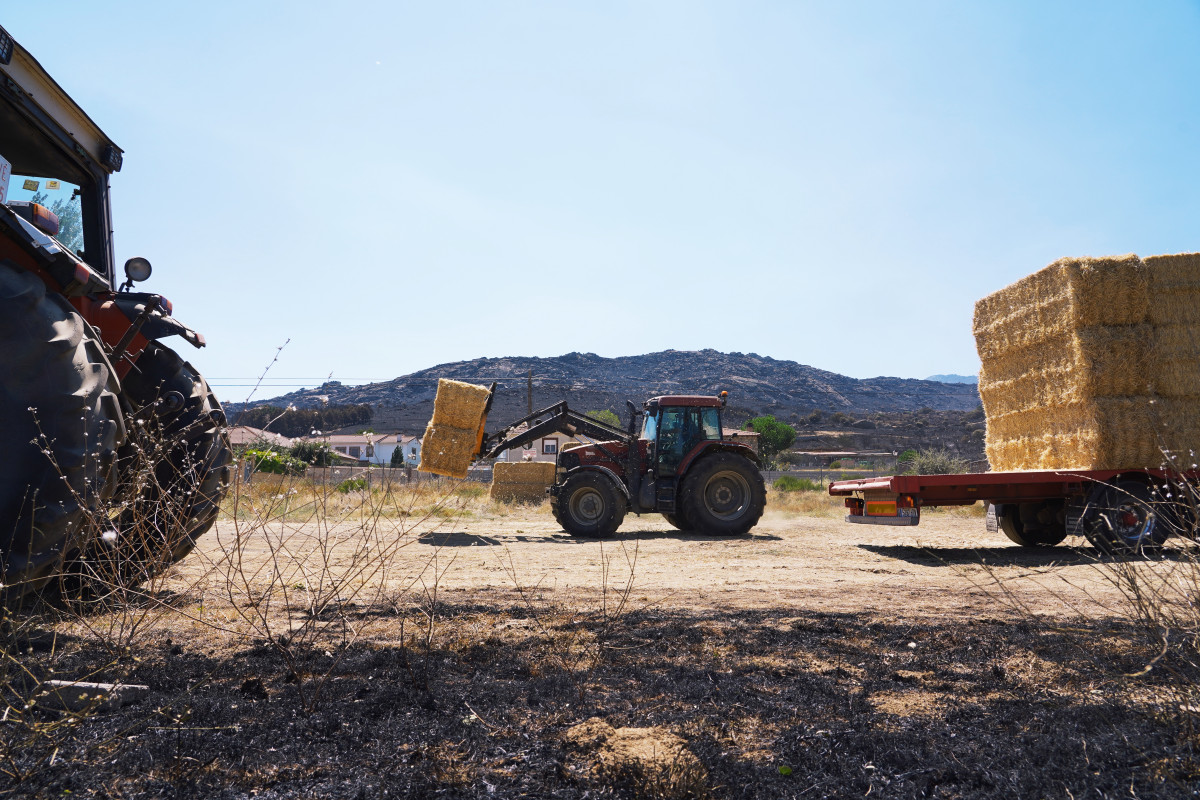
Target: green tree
{"x": 70, "y": 218}
{"x": 773, "y": 436}
{"x": 605, "y": 416}
{"x": 397, "y": 457}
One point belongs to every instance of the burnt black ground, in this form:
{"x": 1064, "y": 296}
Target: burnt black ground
{"x": 774, "y": 706}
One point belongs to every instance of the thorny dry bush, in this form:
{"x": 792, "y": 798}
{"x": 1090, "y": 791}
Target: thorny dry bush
{"x": 301, "y": 568}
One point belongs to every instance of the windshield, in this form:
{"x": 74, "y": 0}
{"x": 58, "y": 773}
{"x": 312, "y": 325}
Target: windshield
{"x": 649, "y": 428}
{"x": 61, "y": 197}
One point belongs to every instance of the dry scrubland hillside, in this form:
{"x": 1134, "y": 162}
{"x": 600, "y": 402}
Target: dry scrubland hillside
{"x": 756, "y": 385}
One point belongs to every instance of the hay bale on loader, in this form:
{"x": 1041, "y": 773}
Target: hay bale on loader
{"x": 453, "y": 435}
{"x": 521, "y": 481}
{"x": 1092, "y": 363}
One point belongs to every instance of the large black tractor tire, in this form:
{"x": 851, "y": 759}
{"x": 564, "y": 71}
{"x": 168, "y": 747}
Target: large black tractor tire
{"x": 60, "y": 429}
{"x": 1122, "y": 520}
{"x": 1032, "y": 524}
{"x": 723, "y": 495}
{"x": 588, "y": 505}
{"x": 177, "y": 467}
{"x": 676, "y": 520}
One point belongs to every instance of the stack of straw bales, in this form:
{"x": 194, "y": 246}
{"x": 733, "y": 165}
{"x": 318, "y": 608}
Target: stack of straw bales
{"x": 453, "y": 436}
{"x": 1092, "y": 363}
{"x": 521, "y": 481}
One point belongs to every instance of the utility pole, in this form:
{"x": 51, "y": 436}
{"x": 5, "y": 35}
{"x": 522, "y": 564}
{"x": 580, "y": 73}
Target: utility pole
{"x": 529, "y": 391}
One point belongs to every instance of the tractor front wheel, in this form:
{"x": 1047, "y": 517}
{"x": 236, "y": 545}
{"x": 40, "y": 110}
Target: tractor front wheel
{"x": 62, "y": 425}
{"x": 723, "y": 495}
{"x": 176, "y": 467}
{"x": 588, "y": 505}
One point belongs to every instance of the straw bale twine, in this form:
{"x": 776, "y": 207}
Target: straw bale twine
{"x": 1092, "y": 363}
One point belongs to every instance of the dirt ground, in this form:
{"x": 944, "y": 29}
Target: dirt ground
{"x": 498, "y": 657}
{"x": 948, "y": 566}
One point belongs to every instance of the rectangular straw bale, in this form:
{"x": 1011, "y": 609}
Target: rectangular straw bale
{"x": 459, "y": 405}
{"x": 1108, "y": 291}
{"x": 518, "y": 492}
{"x": 1176, "y": 366}
{"x": 1175, "y": 289}
{"x": 1025, "y": 314}
{"x": 448, "y": 451}
{"x": 1117, "y": 432}
{"x": 524, "y": 472}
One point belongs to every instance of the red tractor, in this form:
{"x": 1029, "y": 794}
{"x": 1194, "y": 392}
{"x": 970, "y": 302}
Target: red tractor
{"x": 115, "y": 455}
{"x": 673, "y": 460}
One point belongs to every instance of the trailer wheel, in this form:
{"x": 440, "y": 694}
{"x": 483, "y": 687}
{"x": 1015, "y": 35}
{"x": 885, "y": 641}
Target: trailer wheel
{"x": 1033, "y": 524}
{"x": 177, "y": 468}
{"x": 588, "y": 505}
{"x": 1121, "y": 519}
{"x": 61, "y": 427}
{"x": 723, "y": 495}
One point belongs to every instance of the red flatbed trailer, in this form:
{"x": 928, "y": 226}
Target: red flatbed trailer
{"x": 1115, "y": 509}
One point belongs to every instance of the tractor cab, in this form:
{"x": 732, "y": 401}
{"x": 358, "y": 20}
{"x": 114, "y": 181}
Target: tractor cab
{"x": 676, "y": 428}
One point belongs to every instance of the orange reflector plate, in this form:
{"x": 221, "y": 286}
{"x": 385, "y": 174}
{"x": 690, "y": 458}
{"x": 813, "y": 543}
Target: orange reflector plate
{"x": 881, "y": 508}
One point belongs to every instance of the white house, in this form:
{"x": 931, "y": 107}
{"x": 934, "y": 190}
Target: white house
{"x": 376, "y": 448}
{"x": 544, "y": 449}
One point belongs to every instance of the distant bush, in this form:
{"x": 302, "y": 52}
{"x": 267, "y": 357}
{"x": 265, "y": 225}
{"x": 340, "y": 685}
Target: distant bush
{"x": 790, "y": 483}
{"x": 835, "y": 464}
{"x": 315, "y": 453}
{"x": 790, "y": 457}
{"x": 933, "y": 462}
{"x": 352, "y": 485}
{"x": 275, "y": 462}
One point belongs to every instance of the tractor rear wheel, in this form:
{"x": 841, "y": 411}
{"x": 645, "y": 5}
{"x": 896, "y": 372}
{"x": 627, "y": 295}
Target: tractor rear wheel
{"x": 62, "y": 426}
{"x": 177, "y": 466}
{"x": 723, "y": 495}
{"x": 588, "y": 505}
{"x": 676, "y": 521}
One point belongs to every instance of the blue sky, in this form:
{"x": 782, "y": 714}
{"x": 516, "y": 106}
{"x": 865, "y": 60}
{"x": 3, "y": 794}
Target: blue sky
{"x": 395, "y": 185}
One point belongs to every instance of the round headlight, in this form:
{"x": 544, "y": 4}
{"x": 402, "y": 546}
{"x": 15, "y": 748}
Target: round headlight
{"x": 137, "y": 269}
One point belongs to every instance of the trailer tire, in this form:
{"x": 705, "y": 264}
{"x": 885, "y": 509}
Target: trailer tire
{"x": 723, "y": 495}
{"x": 1120, "y": 519}
{"x": 176, "y": 467}
{"x": 62, "y": 425}
{"x": 588, "y": 505}
{"x": 1026, "y": 524}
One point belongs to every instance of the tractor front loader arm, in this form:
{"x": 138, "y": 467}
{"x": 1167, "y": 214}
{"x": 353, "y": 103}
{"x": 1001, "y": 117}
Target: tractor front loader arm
{"x": 557, "y": 418}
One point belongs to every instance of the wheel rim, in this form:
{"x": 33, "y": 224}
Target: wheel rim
{"x": 1129, "y": 521}
{"x": 587, "y": 505}
{"x": 727, "y": 495}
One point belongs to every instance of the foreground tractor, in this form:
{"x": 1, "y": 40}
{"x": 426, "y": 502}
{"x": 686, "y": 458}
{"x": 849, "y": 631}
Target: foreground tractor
{"x": 115, "y": 455}
{"x": 673, "y": 460}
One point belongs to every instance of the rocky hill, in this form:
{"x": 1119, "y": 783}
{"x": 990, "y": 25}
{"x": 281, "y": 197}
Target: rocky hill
{"x": 756, "y": 385}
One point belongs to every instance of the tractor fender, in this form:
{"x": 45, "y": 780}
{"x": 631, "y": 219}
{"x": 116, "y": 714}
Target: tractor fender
{"x": 159, "y": 324}
{"x": 608, "y": 473}
{"x": 717, "y": 447}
